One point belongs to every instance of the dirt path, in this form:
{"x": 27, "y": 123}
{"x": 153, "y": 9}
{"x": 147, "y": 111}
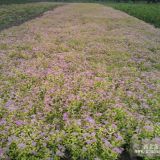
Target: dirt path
{"x": 84, "y": 64}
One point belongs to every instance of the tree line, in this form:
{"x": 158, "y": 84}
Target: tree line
{"x": 28, "y": 1}
{"x": 134, "y": 1}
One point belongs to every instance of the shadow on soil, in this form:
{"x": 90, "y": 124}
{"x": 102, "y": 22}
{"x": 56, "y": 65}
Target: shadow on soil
{"x": 126, "y": 156}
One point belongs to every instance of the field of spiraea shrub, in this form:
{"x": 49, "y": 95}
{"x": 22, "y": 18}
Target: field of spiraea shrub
{"x": 149, "y": 13}
{"x": 15, "y": 14}
{"x": 79, "y": 83}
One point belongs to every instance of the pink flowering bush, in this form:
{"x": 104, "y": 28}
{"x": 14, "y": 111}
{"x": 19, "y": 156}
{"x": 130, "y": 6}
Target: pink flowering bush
{"x": 77, "y": 93}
